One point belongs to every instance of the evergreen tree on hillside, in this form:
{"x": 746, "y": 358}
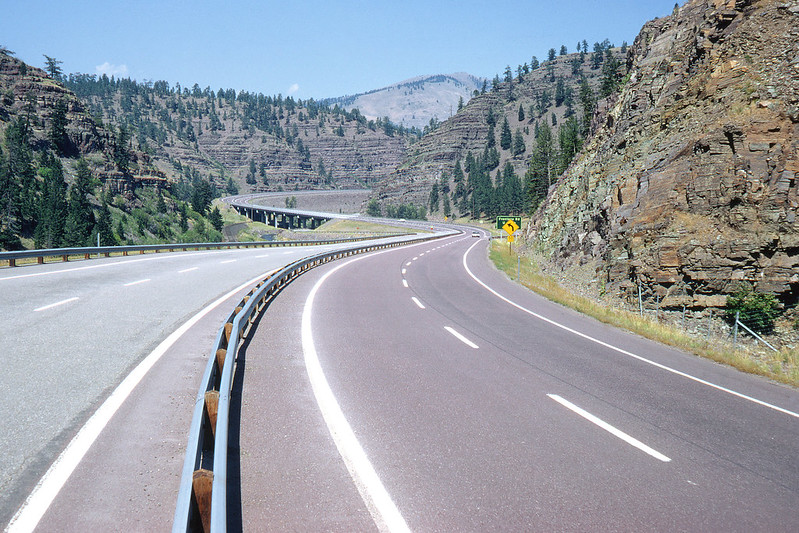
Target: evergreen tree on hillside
{"x": 52, "y": 67}
{"x": 518, "y": 143}
{"x": 434, "y": 197}
{"x": 551, "y": 55}
{"x": 588, "y": 102}
{"x": 539, "y": 174}
{"x": 610, "y": 75}
{"x": 18, "y": 188}
{"x": 521, "y": 112}
{"x": 103, "y": 227}
{"x": 52, "y": 204}
{"x": 58, "y": 127}
{"x": 80, "y": 216}
{"x": 491, "y": 137}
{"x": 505, "y": 136}
{"x": 569, "y": 143}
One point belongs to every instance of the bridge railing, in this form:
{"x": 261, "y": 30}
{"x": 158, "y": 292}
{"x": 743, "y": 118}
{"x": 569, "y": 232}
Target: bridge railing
{"x": 66, "y": 254}
{"x": 202, "y": 498}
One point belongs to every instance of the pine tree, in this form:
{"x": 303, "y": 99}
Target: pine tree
{"x": 103, "y": 227}
{"x": 588, "y": 102}
{"x": 58, "y": 128}
{"x": 518, "y": 143}
{"x": 569, "y": 143}
{"x": 52, "y": 204}
{"x": 539, "y": 174}
{"x": 434, "y": 199}
{"x": 521, "y": 113}
{"x": 505, "y": 136}
{"x": 52, "y": 67}
{"x": 215, "y": 218}
{"x": 80, "y": 216}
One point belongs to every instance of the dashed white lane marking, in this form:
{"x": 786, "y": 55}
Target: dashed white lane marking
{"x": 188, "y": 270}
{"x": 39, "y": 500}
{"x": 461, "y": 338}
{"x": 419, "y": 304}
{"x": 139, "y": 282}
{"x": 405, "y": 283}
{"x": 228, "y": 261}
{"x": 56, "y": 304}
{"x": 384, "y": 511}
{"x": 408, "y": 263}
{"x": 404, "y": 271}
{"x": 610, "y": 429}
{"x": 620, "y": 350}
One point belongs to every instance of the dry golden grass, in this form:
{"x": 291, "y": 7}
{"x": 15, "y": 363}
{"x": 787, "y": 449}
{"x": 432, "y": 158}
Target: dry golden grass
{"x": 782, "y": 366}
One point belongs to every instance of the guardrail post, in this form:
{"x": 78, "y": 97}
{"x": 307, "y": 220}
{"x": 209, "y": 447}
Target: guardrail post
{"x": 202, "y": 482}
{"x": 12, "y": 262}
{"x": 212, "y": 408}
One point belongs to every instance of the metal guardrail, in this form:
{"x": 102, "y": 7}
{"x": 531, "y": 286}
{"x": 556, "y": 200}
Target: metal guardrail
{"x": 106, "y": 251}
{"x": 202, "y": 498}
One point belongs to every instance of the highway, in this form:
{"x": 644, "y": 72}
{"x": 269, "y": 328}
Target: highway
{"x": 476, "y": 415}
{"x": 415, "y": 388}
{"x": 73, "y": 331}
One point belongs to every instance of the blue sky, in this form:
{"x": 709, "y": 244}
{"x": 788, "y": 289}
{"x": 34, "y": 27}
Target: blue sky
{"x": 309, "y": 49}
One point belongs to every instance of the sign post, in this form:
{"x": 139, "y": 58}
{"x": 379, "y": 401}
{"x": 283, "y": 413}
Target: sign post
{"x": 510, "y": 226}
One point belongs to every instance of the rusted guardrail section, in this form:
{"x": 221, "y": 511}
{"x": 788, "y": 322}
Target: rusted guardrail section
{"x": 11, "y": 258}
{"x": 202, "y": 499}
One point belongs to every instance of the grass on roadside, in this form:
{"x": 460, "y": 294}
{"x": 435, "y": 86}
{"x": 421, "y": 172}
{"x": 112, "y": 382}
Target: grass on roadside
{"x": 782, "y": 366}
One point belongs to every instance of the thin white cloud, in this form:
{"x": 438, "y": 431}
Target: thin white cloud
{"x": 111, "y": 70}
{"x": 294, "y": 88}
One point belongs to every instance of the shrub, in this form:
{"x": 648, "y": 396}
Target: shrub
{"x": 756, "y": 310}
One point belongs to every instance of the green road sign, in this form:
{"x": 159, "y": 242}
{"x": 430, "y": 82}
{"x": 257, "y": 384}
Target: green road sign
{"x": 501, "y": 221}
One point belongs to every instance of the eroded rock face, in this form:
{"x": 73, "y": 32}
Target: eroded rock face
{"x": 26, "y": 91}
{"x": 691, "y": 185}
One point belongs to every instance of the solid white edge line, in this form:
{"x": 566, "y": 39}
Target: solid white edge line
{"x": 419, "y": 304}
{"x": 36, "y": 504}
{"x": 461, "y": 338}
{"x": 620, "y": 350}
{"x": 50, "y": 306}
{"x": 610, "y": 429}
{"x": 132, "y": 283}
{"x": 384, "y": 511}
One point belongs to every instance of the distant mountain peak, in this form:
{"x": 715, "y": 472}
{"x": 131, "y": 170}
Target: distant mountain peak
{"x": 416, "y": 101}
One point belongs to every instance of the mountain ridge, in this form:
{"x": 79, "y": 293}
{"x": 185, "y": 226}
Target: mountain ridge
{"x": 432, "y": 97}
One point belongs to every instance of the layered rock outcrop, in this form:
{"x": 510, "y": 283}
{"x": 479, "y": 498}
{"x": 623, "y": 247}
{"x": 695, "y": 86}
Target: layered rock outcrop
{"x": 690, "y": 186}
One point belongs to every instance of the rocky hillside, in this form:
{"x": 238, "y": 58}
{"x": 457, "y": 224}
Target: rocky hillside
{"x": 690, "y": 185}
{"x": 29, "y": 92}
{"x": 417, "y": 102}
{"x": 260, "y": 143}
{"x": 549, "y": 92}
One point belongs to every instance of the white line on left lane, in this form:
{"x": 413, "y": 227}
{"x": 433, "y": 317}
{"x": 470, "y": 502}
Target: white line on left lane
{"x": 132, "y": 283}
{"x": 56, "y": 304}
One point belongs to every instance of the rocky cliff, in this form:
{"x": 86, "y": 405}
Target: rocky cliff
{"x": 690, "y": 186}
